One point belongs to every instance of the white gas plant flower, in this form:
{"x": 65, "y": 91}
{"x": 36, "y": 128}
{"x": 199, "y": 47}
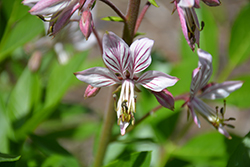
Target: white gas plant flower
{"x": 200, "y": 89}
{"x": 123, "y": 63}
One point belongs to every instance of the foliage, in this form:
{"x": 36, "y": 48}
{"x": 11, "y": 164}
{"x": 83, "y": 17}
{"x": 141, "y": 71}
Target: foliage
{"x": 39, "y": 124}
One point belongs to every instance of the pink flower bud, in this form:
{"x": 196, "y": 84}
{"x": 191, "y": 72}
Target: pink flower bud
{"x": 165, "y": 98}
{"x": 91, "y": 91}
{"x": 85, "y": 23}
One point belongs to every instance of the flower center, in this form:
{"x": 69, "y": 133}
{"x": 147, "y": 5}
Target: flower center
{"x": 126, "y": 102}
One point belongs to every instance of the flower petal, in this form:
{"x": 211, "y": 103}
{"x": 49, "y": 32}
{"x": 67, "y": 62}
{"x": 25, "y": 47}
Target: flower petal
{"x": 223, "y": 131}
{"x": 165, "y": 98}
{"x": 205, "y": 63}
{"x": 64, "y": 17}
{"x": 156, "y": 80}
{"x": 140, "y": 53}
{"x": 222, "y": 90}
{"x": 46, "y": 6}
{"x": 212, "y": 2}
{"x": 191, "y": 37}
{"x": 194, "y": 116}
{"x": 97, "y": 77}
{"x": 195, "y": 83}
{"x": 186, "y": 3}
{"x": 123, "y": 126}
{"x": 116, "y": 53}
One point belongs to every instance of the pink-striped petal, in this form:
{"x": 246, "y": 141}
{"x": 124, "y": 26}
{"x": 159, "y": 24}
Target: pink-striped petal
{"x": 212, "y": 2}
{"x": 97, "y": 77}
{"x": 140, "y": 53}
{"x": 116, "y": 54}
{"x": 218, "y": 91}
{"x": 184, "y": 27}
{"x": 44, "y": 5}
{"x": 64, "y": 17}
{"x": 193, "y": 114}
{"x": 156, "y": 80}
{"x": 30, "y": 3}
{"x": 195, "y": 83}
{"x": 186, "y": 3}
{"x": 205, "y": 63}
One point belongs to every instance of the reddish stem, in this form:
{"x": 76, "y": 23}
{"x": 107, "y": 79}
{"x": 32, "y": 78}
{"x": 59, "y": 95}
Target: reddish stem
{"x": 141, "y": 16}
{"x": 98, "y": 39}
{"x": 116, "y": 9}
{"x": 129, "y": 26}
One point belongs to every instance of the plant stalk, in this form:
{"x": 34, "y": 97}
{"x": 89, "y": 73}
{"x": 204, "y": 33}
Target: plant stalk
{"x": 106, "y": 131}
{"x": 131, "y": 18}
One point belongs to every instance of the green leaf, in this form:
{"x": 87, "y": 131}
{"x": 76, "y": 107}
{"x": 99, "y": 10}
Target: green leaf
{"x": 204, "y": 149}
{"x": 5, "y": 127}
{"x": 241, "y": 156}
{"x": 48, "y": 145}
{"x": 113, "y": 18}
{"x": 153, "y": 3}
{"x": 8, "y": 160}
{"x": 239, "y": 46}
{"x": 184, "y": 69}
{"x": 164, "y": 128}
{"x": 60, "y": 79}
{"x": 25, "y": 93}
{"x": 238, "y": 98}
{"x": 60, "y": 161}
{"x": 138, "y": 159}
{"x": 21, "y": 28}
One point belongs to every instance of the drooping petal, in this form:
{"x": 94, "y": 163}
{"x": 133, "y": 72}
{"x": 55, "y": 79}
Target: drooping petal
{"x": 44, "y": 5}
{"x": 123, "y": 126}
{"x": 189, "y": 25}
{"x": 218, "y": 91}
{"x": 30, "y": 3}
{"x": 156, "y": 80}
{"x": 195, "y": 83}
{"x": 116, "y": 54}
{"x": 186, "y": 3}
{"x": 193, "y": 114}
{"x": 165, "y": 98}
{"x": 223, "y": 131}
{"x": 205, "y": 63}
{"x": 212, "y": 2}
{"x": 64, "y": 18}
{"x": 140, "y": 53}
{"x": 97, "y": 77}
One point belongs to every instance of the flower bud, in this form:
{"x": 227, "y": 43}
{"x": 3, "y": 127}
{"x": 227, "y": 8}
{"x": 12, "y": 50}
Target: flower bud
{"x": 165, "y": 98}
{"x": 85, "y": 23}
{"x": 91, "y": 91}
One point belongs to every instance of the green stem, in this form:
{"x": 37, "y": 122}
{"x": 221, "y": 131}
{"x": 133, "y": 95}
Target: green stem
{"x": 108, "y": 122}
{"x": 131, "y": 18}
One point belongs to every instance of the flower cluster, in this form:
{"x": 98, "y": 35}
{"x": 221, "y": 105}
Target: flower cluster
{"x": 123, "y": 64}
{"x": 59, "y": 12}
{"x": 200, "y": 89}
